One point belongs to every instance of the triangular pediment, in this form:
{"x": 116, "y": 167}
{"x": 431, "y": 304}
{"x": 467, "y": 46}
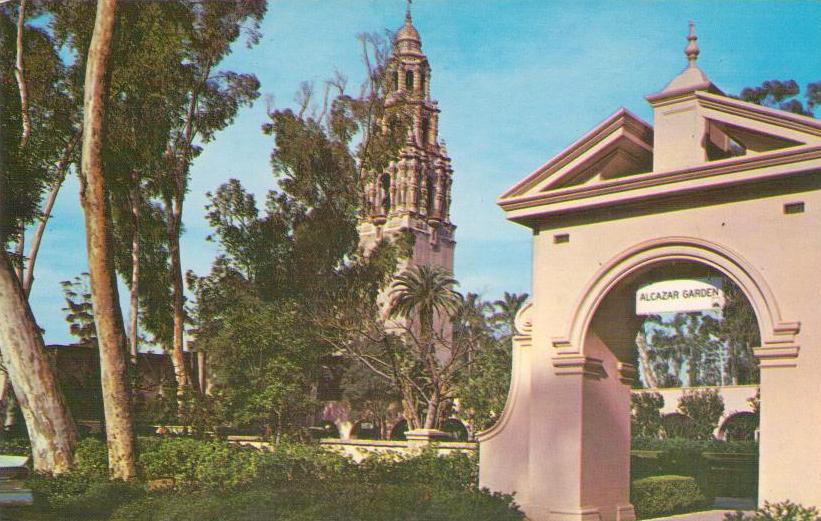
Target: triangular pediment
{"x": 754, "y": 128}
{"x": 620, "y": 146}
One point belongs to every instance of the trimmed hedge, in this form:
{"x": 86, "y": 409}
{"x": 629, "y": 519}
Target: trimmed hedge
{"x": 664, "y": 495}
{"x": 337, "y": 501}
{"x": 720, "y": 468}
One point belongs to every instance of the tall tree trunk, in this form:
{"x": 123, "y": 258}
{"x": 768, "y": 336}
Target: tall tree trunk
{"x": 105, "y": 300}
{"x": 50, "y": 427}
{"x": 648, "y": 374}
{"x": 174, "y": 214}
{"x": 19, "y": 75}
{"x": 134, "y": 301}
{"x": 432, "y": 413}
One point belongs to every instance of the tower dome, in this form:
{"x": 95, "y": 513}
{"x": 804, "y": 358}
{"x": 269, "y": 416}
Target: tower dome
{"x": 407, "y": 37}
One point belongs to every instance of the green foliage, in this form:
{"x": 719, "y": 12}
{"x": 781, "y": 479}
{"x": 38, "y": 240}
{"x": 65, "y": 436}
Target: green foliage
{"x": 783, "y": 511}
{"x": 15, "y": 446}
{"x": 79, "y": 314}
{"x": 663, "y": 495}
{"x": 720, "y": 468}
{"x": 214, "y": 480}
{"x": 488, "y": 330}
{"x": 712, "y": 445}
{"x": 91, "y": 459}
{"x": 216, "y": 465}
{"x": 704, "y": 409}
{"x": 29, "y": 169}
{"x": 338, "y": 501}
{"x": 423, "y": 293}
{"x": 455, "y": 471}
{"x": 645, "y": 421}
{"x": 782, "y": 95}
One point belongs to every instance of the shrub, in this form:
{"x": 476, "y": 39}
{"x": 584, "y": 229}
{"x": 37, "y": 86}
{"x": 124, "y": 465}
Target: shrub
{"x": 785, "y": 511}
{"x": 453, "y": 471}
{"x": 646, "y": 414}
{"x": 194, "y": 463}
{"x": 718, "y": 446}
{"x": 662, "y": 495}
{"x": 340, "y": 501}
{"x": 704, "y": 409}
{"x": 91, "y": 459}
{"x": 216, "y": 465}
{"x": 75, "y": 497}
{"x": 15, "y": 446}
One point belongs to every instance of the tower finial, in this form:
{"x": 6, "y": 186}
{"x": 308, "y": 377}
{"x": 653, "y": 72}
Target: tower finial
{"x": 692, "y": 51}
{"x": 408, "y": 18}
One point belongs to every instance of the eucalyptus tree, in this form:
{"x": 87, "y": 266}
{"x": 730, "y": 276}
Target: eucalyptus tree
{"x": 32, "y": 126}
{"x": 96, "y": 208}
{"x": 212, "y": 98}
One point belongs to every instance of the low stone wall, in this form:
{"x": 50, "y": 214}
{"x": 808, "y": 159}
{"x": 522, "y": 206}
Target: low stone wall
{"x": 361, "y": 449}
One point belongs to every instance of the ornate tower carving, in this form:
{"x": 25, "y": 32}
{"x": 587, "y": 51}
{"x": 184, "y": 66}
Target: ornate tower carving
{"x": 413, "y": 193}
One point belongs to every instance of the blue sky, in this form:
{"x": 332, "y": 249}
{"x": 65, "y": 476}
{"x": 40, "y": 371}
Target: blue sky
{"x": 517, "y": 81}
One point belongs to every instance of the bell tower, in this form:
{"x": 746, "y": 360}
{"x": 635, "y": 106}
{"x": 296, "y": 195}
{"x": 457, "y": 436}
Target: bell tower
{"x": 413, "y": 194}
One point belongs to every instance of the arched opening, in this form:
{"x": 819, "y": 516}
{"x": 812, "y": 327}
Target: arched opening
{"x": 365, "y": 430}
{"x": 741, "y": 426}
{"x": 455, "y": 429}
{"x": 398, "y": 431}
{"x": 409, "y": 80}
{"x": 670, "y": 323}
{"x": 325, "y": 429}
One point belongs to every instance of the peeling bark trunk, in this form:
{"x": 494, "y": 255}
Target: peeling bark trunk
{"x": 20, "y": 76}
{"x": 177, "y": 355}
{"x": 134, "y": 301}
{"x": 105, "y": 299}
{"x": 647, "y": 372}
{"x": 50, "y": 427}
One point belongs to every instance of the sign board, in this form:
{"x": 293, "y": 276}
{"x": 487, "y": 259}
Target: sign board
{"x": 680, "y": 296}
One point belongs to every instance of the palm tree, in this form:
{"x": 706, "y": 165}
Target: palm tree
{"x": 470, "y": 323}
{"x": 508, "y": 307}
{"x": 424, "y": 292}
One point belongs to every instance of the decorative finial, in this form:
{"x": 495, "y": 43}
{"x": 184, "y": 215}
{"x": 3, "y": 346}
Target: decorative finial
{"x": 691, "y": 51}
{"x": 408, "y": 18}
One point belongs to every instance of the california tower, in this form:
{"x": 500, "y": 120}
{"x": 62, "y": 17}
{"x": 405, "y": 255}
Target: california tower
{"x": 413, "y": 193}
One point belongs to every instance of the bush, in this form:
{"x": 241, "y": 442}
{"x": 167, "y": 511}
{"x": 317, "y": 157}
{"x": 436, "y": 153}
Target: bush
{"x": 15, "y": 446}
{"x": 663, "y": 495}
{"x": 91, "y": 459}
{"x": 216, "y": 465}
{"x": 786, "y": 511}
{"x": 704, "y": 409}
{"x": 718, "y": 446}
{"x": 329, "y": 500}
{"x": 75, "y": 497}
{"x": 453, "y": 471}
{"x": 646, "y": 414}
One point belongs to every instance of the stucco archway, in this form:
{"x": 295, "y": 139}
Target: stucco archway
{"x": 590, "y": 373}
{"x": 714, "y": 181}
